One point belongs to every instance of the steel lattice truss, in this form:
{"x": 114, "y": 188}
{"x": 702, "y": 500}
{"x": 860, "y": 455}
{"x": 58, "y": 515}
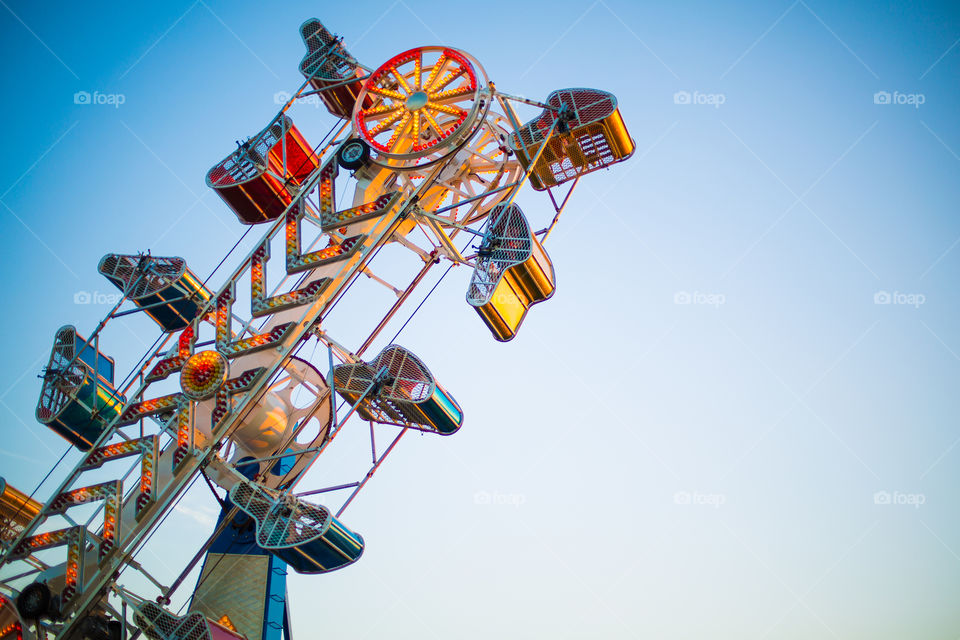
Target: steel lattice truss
{"x": 430, "y": 147}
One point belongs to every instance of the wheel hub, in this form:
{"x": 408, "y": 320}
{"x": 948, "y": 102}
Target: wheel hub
{"x": 417, "y": 100}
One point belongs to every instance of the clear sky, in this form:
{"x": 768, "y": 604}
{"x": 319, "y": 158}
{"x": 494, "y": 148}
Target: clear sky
{"x": 737, "y": 418}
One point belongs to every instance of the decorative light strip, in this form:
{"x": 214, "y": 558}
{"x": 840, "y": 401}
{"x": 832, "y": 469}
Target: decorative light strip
{"x": 233, "y": 386}
{"x": 111, "y": 492}
{"x": 233, "y": 348}
{"x": 260, "y": 304}
{"x": 298, "y": 261}
{"x": 169, "y": 365}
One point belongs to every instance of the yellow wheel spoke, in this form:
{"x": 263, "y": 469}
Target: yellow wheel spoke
{"x": 433, "y": 123}
{"x": 435, "y": 71}
{"x": 401, "y": 80}
{"x": 446, "y": 108}
{"x": 386, "y": 123}
{"x": 439, "y": 96}
{"x": 399, "y": 131}
{"x": 377, "y": 117}
{"x": 417, "y": 70}
{"x": 387, "y": 93}
{"x": 447, "y": 79}
{"x": 381, "y": 111}
{"x": 415, "y": 133}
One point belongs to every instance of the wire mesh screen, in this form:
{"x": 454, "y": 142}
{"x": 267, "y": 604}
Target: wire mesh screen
{"x": 399, "y": 381}
{"x": 580, "y": 144}
{"x": 250, "y": 160}
{"x": 507, "y": 242}
{"x": 141, "y": 276}
{"x": 159, "y": 624}
{"x": 326, "y": 57}
{"x": 60, "y": 381}
{"x": 282, "y": 520}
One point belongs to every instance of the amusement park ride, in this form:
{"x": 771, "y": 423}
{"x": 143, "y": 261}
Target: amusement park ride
{"x": 432, "y": 150}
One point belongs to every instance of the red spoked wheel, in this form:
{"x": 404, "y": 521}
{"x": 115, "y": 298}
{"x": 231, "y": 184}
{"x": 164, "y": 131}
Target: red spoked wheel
{"x": 426, "y": 103}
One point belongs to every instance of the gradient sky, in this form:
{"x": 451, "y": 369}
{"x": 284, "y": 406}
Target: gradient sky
{"x": 748, "y": 465}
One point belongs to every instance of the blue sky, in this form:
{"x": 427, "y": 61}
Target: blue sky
{"x": 725, "y": 421}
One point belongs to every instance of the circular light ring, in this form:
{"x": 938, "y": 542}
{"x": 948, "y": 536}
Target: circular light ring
{"x": 415, "y": 104}
{"x": 203, "y": 374}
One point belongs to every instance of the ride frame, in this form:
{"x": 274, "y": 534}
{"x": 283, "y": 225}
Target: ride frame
{"x": 91, "y": 589}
